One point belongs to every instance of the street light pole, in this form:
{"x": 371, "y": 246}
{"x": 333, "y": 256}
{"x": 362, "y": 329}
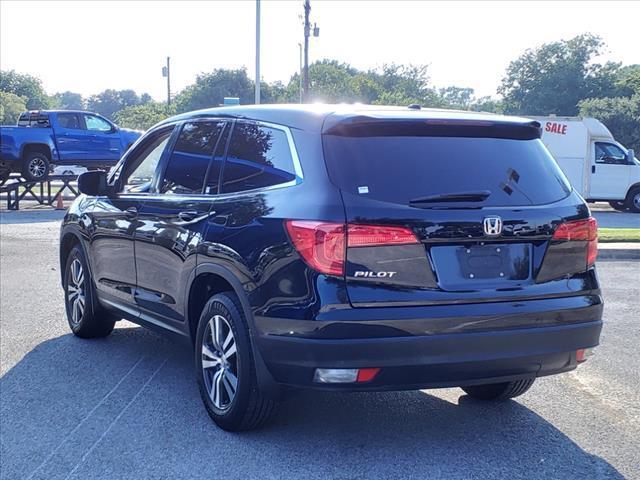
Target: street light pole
{"x": 257, "y": 52}
{"x": 166, "y": 72}
{"x": 307, "y": 29}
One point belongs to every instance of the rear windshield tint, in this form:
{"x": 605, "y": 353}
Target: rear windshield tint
{"x": 402, "y": 168}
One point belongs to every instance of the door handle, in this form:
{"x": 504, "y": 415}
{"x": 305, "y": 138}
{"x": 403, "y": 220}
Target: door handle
{"x": 593, "y": 169}
{"x": 188, "y": 215}
{"x": 131, "y": 212}
{"x": 220, "y": 219}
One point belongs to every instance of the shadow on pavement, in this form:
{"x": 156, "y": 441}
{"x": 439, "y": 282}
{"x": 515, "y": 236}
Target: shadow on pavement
{"x": 128, "y": 407}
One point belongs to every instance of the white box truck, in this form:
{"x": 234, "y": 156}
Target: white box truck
{"x": 598, "y": 167}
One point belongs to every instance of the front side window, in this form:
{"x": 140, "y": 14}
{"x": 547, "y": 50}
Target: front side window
{"x": 258, "y": 157}
{"x": 69, "y": 120}
{"x": 610, "y": 153}
{"x": 143, "y": 166}
{"x": 97, "y": 124}
{"x": 191, "y": 157}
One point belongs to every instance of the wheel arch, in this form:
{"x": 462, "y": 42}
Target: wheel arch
{"x": 68, "y": 240}
{"x": 209, "y": 279}
{"x": 633, "y": 187}
{"x": 36, "y": 147}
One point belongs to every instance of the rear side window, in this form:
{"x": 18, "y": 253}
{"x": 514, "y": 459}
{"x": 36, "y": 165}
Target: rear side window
{"x": 69, "y": 120}
{"x": 399, "y": 169}
{"x": 191, "y": 157}
{"x": 34, "y": 119}
{"x": 258, "y": 157}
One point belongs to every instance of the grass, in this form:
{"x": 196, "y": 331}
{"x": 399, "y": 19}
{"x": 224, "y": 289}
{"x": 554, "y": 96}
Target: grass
{"x": 619, "y": 234}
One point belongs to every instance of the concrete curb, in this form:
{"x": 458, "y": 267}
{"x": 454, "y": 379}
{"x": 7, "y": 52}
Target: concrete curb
{"x": 617, "y": 252}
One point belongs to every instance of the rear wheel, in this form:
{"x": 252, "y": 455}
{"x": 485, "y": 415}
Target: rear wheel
{"x": 225, "y": 367}
{"x": 87, "y": 319}
{"x": 35, "y": 167}
{"x": 499, "y": 391}
{"x": 633, "y": 200}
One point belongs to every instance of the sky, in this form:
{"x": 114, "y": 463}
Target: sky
{"x": 87, "y": 47}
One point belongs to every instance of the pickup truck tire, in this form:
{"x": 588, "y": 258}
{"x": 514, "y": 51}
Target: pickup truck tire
{"x": 86, "y": 317}
{"x": 35, "y": 167}
{"x": 633, "y": 200}
{"x": 499, "y": 391}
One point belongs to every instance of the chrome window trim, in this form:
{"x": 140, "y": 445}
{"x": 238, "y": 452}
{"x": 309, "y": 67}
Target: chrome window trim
{"x": 297, "y": 167}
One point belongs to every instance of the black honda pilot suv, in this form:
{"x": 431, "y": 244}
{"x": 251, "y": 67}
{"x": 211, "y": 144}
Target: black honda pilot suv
{"x": 344, "y": 248}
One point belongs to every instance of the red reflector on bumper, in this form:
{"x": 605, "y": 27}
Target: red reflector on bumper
{"x": 367, "y": 374}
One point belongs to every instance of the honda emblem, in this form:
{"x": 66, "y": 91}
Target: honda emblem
{"x": 492, "y": 226}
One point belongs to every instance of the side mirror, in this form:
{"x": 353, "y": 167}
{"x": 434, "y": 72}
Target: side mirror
{"x": 93, "y": 183}
{"x": 631, "y": 155}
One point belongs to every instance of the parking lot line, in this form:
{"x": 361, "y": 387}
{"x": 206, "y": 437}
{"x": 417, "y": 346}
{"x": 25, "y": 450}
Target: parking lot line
{"x": 86, "y": 417}
{"x": 115, "y": 420}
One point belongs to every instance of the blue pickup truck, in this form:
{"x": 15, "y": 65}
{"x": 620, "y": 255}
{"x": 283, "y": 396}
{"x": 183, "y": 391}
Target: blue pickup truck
{"x": 60, "y": 137}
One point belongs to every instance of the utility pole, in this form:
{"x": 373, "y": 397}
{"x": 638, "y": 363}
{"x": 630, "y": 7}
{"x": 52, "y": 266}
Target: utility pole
{"x": 300, "y": 72}
{"x": 166, "y": 72}
{"x": 307, "y": 31}
{"x": 257, "y": 101}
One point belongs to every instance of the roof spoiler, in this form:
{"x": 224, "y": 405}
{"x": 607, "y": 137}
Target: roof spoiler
{"x": 364, "y": 126}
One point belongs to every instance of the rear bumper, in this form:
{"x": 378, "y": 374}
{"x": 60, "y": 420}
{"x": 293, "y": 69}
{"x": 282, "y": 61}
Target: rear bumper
{"x": 431, "y": 361}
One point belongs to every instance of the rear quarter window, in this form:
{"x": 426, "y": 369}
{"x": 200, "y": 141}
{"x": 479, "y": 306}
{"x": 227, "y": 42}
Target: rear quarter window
{"x": 401, "y": 168}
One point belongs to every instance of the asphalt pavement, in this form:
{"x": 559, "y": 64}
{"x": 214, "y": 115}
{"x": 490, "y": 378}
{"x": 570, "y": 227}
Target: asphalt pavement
{"x": 128, "y": 406}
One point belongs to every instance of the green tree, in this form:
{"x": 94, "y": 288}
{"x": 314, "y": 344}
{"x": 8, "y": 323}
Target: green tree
{"x": 621, "y": 115}
{"x": 487, "y": 104}
{"x": 26, "y": 86}
{"x": 11, "y": 106}
{"x": 457, "y": 97}
{"x": 142, "y": 117}
{"x": 210, "y": 89}
{"x": 628, "y": 82}
{"x": 553, "y": 78}
{"x": 111, "y": 101}
{"x": 68, "y": 101}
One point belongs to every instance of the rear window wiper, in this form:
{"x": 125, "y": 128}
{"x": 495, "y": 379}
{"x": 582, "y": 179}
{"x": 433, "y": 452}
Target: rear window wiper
{"x": 473, "y": 196}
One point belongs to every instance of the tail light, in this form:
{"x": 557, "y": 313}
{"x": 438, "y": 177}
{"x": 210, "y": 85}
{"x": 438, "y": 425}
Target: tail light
{"x": 580, "y": 230}
{"x": 323, "y": 245}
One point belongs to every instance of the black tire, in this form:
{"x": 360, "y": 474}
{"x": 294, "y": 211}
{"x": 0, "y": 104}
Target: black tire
{"x": 35, "y": 167}
{"x": 93, "y": 321}
{"x": 633, "y": 200}
{"x": 620, "y": 206}
{"x": 249, "y": 408}
{"x": 499, "y": 391}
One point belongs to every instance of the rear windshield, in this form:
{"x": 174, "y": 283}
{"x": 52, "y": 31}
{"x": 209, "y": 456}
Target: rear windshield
{"x": 403, "y": 168}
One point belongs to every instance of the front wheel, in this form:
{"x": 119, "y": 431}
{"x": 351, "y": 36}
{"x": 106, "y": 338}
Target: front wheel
{"x": 499, "y": 391}
{"x": 87, "y": 319}
{"x": 35, "y": 167}
{"x": 633, "y": 200}
{"x": 225, "y": 367}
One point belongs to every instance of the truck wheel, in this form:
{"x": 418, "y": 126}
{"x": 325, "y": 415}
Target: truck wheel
{"x": 620, "y": 206}
{"x": 35, "y": 167}
{"x": 499, "y": 391}
{"x": 633, "y": 200}
{"x": 225, "y": 367}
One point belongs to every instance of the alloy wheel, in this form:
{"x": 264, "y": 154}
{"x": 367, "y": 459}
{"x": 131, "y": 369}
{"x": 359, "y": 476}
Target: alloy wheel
{"x": 76, "y": 291}
{"x": 220, "y": 362}
{"x": 37, "y": 167}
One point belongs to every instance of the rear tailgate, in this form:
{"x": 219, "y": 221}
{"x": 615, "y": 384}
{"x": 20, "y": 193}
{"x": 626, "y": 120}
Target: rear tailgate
{"x": 487, "y": 243}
